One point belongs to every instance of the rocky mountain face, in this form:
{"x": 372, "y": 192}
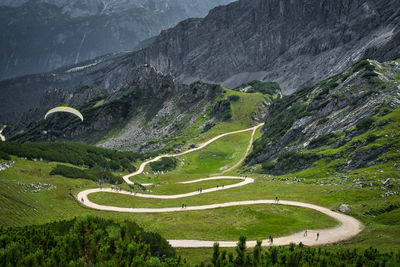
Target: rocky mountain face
{"x": 294, "y": 43}
{"x": 149, "y": 106}
{"x": 349, "y": 121}
{"x": 40, "y": 35}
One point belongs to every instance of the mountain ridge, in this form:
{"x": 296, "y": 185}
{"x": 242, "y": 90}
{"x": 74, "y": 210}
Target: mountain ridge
{"x": 59, "y": 33}
{"x": 238, "y": 43}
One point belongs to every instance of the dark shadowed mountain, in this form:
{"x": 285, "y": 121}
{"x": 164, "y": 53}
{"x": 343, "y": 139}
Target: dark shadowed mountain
{"x": 40, "y": 35}
{"x": 294, "y": 43}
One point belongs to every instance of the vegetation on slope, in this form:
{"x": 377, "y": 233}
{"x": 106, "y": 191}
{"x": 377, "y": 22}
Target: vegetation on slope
{"x": 84, "y": 241}
{"x": 165, "y": 164}
{"x": 271, "y": 89}
{"x": 299, "y": 256}
{"x": 74, "y": 153}
{"x": 349, "y": 121}
{"x": 95, "y": 174}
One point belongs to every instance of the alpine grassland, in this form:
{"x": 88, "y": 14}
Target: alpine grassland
{"x": 348, "y": 166}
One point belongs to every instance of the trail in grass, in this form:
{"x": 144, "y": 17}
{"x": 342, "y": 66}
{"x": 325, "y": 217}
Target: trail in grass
{"x": 348, "y": 228}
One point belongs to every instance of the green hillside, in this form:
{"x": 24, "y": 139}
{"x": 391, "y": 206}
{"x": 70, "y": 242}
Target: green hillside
{"x": 331, "y": 144}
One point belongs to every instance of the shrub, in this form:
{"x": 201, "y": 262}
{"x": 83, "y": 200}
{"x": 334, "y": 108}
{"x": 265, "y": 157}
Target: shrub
{"x": 268, "y": 165}
{"x": 233, "y": 98}
{"x": 363, "y": 64}
{"x": 322, "y": 139}
{"x": 4, "y": 156}
{"x": 371, "y": 138}
{"x": 365, "y": 124}
{"x": 369, "y": 74}
{"x": 322, "y": 121}
{"x": 165, "y": 164}
{"x": 222, "y": 110}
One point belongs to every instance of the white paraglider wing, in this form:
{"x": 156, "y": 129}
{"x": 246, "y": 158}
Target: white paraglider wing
{"x": 64, "y": 109}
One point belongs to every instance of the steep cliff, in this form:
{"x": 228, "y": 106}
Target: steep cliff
{"x": 291, "y": 42}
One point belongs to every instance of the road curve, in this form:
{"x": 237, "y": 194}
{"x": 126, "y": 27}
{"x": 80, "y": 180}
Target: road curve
{"x": 143, "y": 165}
{"x": 348, "y": 227}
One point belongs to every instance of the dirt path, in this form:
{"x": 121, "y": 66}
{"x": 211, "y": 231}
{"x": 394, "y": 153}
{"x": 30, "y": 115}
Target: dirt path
{"x": 143, "y": 165}
{"x": 348, "y": 227}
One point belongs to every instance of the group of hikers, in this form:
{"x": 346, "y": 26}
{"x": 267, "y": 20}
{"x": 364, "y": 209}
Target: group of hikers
{"x": 200, "y": 190}
{"x": 184, "y": 206}
{"x": 306, "y": 232}
{"x": 271, "y": 239}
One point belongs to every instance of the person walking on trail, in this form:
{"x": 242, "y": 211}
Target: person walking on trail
{"x": 272, "y": 240}
{"x": 183, "y": 205}
{"x": 317, "y": 237}
{"x": 305, "y": 233}
{"x": 82, "y": 200}
{"x": 276, "y": 200}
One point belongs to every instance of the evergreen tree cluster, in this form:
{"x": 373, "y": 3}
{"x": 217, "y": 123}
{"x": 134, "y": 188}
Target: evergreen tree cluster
{"x": 95, "y": 173}
{"x": 300, "y": 255}
{"x": 74, "y": 153}
{"x": 84, "y": 241}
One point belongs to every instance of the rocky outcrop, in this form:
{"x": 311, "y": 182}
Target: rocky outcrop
{"x": 330, "y": 115}
{"x": 149, "y": 106}
{"x": 292, "y": 42}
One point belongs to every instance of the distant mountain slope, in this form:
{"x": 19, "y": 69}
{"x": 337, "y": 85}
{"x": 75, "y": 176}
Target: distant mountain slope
{"x": 291, "y": 42}
{"x": 149, "y": 106}
{"x": 151, "y": 112}
{"x": 40, "y": 35}
{"x": 346, "y": 122}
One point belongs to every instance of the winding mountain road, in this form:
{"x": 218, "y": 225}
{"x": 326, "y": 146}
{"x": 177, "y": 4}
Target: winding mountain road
{"x": 348, "y": 227}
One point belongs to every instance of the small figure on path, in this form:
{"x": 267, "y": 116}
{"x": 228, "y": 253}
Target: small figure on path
{"x": 272, "y": 240}
{"x": 222, "y": 186}
{"x": 201, "y": 189}
{"x": 183, "y": 205}
{"x": 317, "y": 237}
{"x": 82, "y": 200}
{"x": 305, "y": 233}
{"x": 217, "y": 186}
{"x": 276, "y": 200}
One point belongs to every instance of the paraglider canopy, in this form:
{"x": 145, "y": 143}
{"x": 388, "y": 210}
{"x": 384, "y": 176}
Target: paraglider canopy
{"x": 64, "y": 109}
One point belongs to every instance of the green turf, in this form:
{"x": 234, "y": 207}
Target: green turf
{"x": 213, "y": 159}
{"x": 382, "y": 231}
{"x": 174, "y": 189}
